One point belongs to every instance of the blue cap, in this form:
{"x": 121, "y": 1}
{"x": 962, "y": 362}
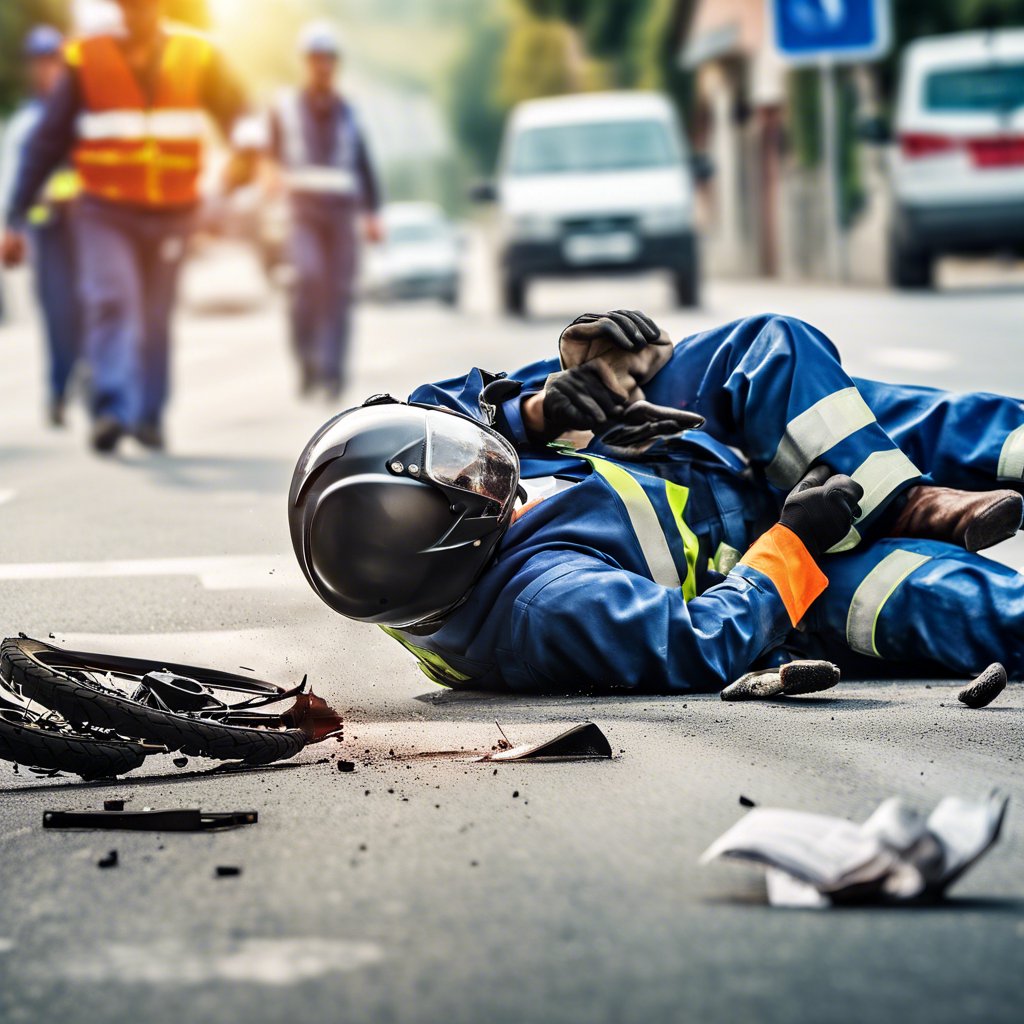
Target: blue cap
{"x": 42, "y": 41}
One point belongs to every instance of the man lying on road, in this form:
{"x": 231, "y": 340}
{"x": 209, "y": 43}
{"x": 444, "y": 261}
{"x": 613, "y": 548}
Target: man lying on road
{"x": 662, "y": 561}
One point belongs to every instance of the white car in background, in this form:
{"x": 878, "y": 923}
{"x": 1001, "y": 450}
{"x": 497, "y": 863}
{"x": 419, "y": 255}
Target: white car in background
{"x": 420, "y": 256}
{"x": 958, "y": 165}
{"x": 594, "y": 183}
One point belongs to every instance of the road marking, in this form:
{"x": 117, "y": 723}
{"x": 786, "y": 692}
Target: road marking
{"x": 215, "y": 572}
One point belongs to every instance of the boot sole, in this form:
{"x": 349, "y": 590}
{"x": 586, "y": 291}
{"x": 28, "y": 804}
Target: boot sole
{"x": 997, "y": 523}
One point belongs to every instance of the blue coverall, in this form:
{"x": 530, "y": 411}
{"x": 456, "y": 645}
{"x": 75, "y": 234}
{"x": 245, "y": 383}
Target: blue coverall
{"x": 51, "y": 238}
{"x": 331, "y": 182}
{"x": 612, "y": 583}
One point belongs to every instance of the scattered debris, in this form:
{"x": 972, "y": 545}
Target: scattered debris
{"x": 150, "y": 820}
{"x": 793, "y": 679}
{"x": 110, "y": 861}
{"x": 113, "y": 805}
{"x": 227, "y": 871}
{"x": 515, "y": 794}
{"x": 180, "y": 762}
{"x": 579, "y": 743}
{"x": 983, "y": 690}
{"x": 346, "y": 766}
{"x": 897, "y": 855}
{"x": 745, "y": 801}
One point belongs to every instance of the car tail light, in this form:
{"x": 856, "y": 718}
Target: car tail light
{"x": 1004, "y": 152}
{"x": 919, "y": 145}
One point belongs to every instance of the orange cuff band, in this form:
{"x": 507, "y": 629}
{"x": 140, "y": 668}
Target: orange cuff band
{"x": 782, "y": 557}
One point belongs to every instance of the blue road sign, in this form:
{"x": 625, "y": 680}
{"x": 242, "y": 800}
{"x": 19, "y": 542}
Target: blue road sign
{"x": 809, "y": 31}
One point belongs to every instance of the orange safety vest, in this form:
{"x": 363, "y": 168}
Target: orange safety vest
{"x": 130, "y": 150}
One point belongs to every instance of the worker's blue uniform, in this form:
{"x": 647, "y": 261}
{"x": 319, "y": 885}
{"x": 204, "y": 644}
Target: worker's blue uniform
{"x": 607, "y": 583}
{"x": 51, "y": 238}
{"x": 331, "y": 182}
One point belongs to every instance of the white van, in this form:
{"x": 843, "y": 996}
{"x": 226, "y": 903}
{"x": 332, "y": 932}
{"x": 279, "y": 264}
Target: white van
{"x": 958, "y": 168}
{"x": 591, "y": 183}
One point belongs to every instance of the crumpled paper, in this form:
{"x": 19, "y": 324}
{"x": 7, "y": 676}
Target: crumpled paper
{"x": 897, "y": 855}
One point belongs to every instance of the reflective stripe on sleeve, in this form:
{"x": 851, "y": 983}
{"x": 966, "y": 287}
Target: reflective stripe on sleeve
{"x": 871, "y": 596}
{"x": 816, "y": 430}
{"x": 677, "y": 497}
{"x": 1011, "y": 458}
{"x": 643, "y": 517}
{"x": 879, "y": 474}
{"x": 334, "y": 180}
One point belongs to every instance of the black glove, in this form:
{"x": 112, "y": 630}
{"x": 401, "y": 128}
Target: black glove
{"x": 643, "y": 422}
{"x": 579, "y": 399}
{"x": 821, "y": 509}
{"x": 628, "y": 329}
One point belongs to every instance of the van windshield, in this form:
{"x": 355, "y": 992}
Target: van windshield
{"x": 593, "y": 147}
{"x": 994, "y": 88}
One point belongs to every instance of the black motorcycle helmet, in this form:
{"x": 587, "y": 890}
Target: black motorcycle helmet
{"x": 396, "y": 509}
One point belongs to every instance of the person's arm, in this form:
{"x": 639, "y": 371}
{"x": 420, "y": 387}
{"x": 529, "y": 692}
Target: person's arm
{"x": 46, "y": 147}
{"x": 494, "y": 398}
{"x": 583, "y": 622}
{"x": 369, "y": 190}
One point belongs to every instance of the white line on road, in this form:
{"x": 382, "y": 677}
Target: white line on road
{"x": 215, "y": 572}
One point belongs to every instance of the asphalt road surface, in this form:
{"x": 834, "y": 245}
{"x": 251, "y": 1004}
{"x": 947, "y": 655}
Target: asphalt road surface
{"x": 421, "y": 887}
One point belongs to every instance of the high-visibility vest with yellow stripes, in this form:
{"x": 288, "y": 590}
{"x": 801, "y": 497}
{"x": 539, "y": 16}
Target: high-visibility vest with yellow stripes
{"x": 130, "y": 149}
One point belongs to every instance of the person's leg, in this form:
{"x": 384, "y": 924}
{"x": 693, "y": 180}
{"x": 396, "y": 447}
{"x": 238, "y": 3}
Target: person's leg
{"x": 53, "y": 264}
{"x": 166, "y": 240}
{"x": 921, "y": 603}
{"x": 974, "y": 441}
{"x": 775, "y": 388}
{"x": 341, "y": 274}
{"x": 110, "y": 290}
{"x": 308, "y": 298}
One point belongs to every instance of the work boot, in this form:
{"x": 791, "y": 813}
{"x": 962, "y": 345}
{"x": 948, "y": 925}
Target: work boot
{"x": 150, "y": 435}
{"x": 973, "y": 519}
{"x": 106, "y": 432}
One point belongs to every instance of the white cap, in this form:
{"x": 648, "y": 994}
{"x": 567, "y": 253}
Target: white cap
{"x": 319, "y": 37}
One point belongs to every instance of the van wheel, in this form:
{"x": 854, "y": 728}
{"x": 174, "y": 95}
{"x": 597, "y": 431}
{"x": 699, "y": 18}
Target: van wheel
{"x": 910, "y": 267}
{"x": 686, "y": 275}
{"x": 513, "y": 295}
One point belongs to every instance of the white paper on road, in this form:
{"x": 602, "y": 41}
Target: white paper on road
{"x": 897, "y": 854}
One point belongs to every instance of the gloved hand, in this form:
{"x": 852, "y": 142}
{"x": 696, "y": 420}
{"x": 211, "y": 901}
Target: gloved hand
{"x": 584, "y": 398}
{"x": 629, "y": 346}
{"x": 821, "y": 509}
{"x": 642, "y": 422}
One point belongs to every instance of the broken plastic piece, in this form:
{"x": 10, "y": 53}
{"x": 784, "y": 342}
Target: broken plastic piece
{"x": 113, "y": 805}
{"x": 793, "y": 679}
{"x": 346, "y": 766}
{"x": 985, "y": 687}
{"x": 227, "y": 871}
{"x": 897, "y": 855}
{"x": 148, "y": 820}
{"x": 579, "y": 743}
{"x": 110, "y": 861}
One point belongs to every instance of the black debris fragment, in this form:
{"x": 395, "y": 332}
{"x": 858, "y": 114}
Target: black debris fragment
{"x": 110, "y": 861}
{"x": 983, "y": 690}
{"x": 579, "y": 743}
{"x": 346, "y": 766}
{"x": 227, "y": 871}
{"x": 113, "y": 805}
{"x": 150, "y": 820}
{"x": 515, "y": 794}
{"x": 180, "y": 762}
{"x": 745, "y": 801}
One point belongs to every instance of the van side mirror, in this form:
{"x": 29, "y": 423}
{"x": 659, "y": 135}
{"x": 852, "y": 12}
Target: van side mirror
{"x": 702, "y": 167}
{"x": 875, "y": 130}
{"x": 483, "y": 192}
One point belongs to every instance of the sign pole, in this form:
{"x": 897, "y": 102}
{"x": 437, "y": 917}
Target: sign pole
{"x": 834, "y": 237}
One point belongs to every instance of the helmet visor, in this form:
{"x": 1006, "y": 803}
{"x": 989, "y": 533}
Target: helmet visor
{"x": 466, "y": 456}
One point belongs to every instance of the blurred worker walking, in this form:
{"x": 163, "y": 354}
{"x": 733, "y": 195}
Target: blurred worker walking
{"x": 316, "y": 138}
{"x": 129, "y": 111}
{"x": 50, "y": 220}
